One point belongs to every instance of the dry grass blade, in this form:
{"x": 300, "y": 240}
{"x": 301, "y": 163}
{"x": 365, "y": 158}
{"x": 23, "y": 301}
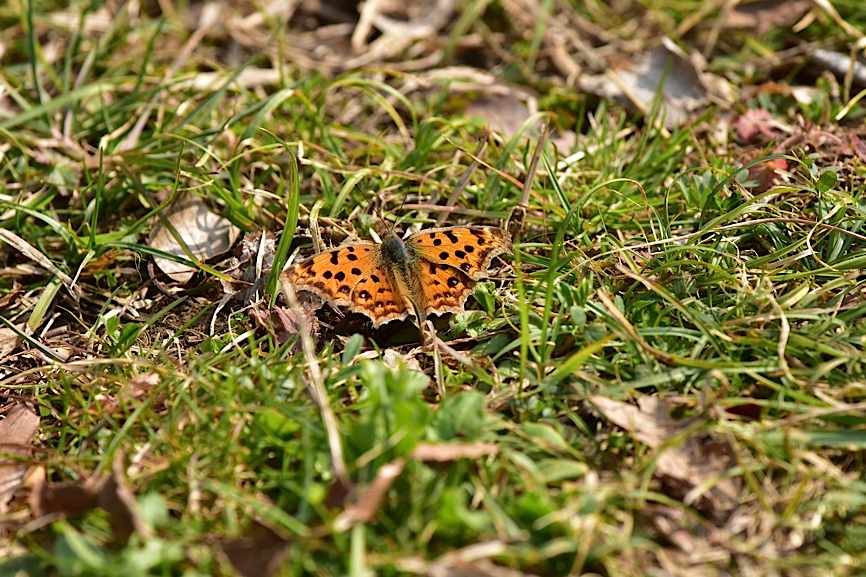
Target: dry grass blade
{"x": 209, "y": 17}
{"x": 366, "y": 503}
{"x": 470, "y": 561}
{"x": 443, "y": 452}
{"x": 629, "y": 330}
{"x": 518, "y": 215}
{"x": 316, "y": 386}
{"x": 33, "y": 254}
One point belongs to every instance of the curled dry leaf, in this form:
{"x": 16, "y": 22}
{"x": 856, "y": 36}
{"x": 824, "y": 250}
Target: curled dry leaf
{"x": 17, "y": 430}
{"x": 108, "y": 492}
{"x": 694, "y": 467}
{"x": 259, "y": 553}
{"x": 686, "y": 88}
{"x": 206, "y": 234}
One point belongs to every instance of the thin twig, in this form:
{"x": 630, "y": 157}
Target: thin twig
{"x": 464, "y": 180}
{"x": 514, "y": 222}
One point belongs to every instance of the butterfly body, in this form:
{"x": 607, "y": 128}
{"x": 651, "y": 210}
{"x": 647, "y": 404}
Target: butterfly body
{"x": 432, "y": 271}
{"x": 400, "y": 260}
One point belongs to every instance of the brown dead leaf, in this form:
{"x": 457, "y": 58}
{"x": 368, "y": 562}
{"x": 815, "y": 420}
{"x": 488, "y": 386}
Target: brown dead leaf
{"x": 506, "y": 109}
{"x": 757, "y": 126}
{"x": 139, "y": 385}
{"x": 117, "y": 499}
{"x": 108, "y": 492}
{"x": 504, "y": 112}
{"x": 763, "y": 15}
{"x": 70, "y": 499}
{"x": 367, "y": 501}
{"x": 442, "y": 452}
{"x": 206, "y": 234}
{"x": 858, "y": 148}
{"x": 694, "y": 467}
{"x": 259, "y": 553}
{"x": 766, "y": 174}
{"x": 17, "y": 430}
{"x": 686, "y": 88}
{"x": 8, "y": 342}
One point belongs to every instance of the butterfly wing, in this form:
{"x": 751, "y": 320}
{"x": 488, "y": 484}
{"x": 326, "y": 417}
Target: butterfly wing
{"x": 351, "y": 276}
{"x": 445, "y": 288}
{"x": 467, "y": 248}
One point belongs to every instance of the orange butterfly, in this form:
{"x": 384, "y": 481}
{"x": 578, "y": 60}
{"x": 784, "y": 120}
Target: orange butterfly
{"x": 432, "y": 271}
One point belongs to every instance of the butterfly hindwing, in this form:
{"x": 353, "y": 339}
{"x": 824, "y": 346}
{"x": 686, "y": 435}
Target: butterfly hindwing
{"x": 467, "y": 248}
{"x": 445, "y": 288}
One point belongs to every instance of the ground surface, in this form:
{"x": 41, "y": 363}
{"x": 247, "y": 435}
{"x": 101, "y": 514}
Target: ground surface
{"x": 664, "y": 377}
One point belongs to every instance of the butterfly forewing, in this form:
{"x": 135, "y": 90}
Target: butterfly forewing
{"x": 467, "y": 248}
{"x": 351, "y": 276}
